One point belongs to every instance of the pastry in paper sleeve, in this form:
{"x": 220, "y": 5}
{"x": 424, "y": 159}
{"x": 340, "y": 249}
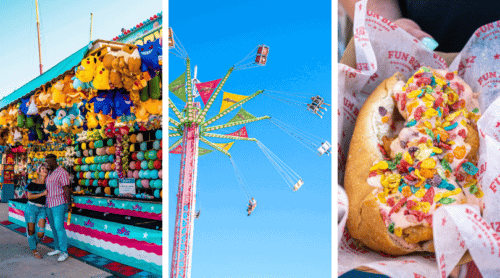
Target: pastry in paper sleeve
{"x": 414, "y": 149}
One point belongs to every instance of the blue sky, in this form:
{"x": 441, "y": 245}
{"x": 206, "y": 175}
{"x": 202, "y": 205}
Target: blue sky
{"x": 289, "y": 233}
{"x": 65, "y": 28}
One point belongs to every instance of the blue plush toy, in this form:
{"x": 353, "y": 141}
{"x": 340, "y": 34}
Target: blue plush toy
{"x": 103, "y": 102}
{"x": 77, "y": 117}
{"x": 79, "y": 85}
{"x": 60, "y": 115}
{"x": 83, "y": 108}
{"x": 32, "y": 136}
{"x": 24, "y": 106}
{"x": 122, "y": 104}
{"x": 83, "y": 113}
{"x": 150, "y": 53}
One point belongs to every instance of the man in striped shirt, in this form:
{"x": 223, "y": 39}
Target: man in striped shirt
{"x": 58, "y": 203}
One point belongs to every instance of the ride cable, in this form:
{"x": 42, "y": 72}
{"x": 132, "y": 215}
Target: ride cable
{"x": 314, "y": 104}
{"x": 308, "y": 140}
{"x": 294, "y": 103}
{"x": 240, "y": 178}
{"x": 254, "y": 58}
{"x": 291, "y": 178}
{"x": 178, "y": 49}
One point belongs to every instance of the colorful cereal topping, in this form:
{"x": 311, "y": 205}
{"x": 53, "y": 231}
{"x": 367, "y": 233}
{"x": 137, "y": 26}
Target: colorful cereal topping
{"x": 382, "y": 111}
{"x": 429, "y": 168}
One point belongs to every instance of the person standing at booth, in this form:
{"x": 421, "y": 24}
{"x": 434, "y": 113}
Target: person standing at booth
{"x": 35, "y": 209}
{"x": 58, "y": 203}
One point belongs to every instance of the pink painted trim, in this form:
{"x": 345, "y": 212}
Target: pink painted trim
{"x": 149, "y": 215}
{"x": 123, "y": 241}
{"x": 16, "y": 211}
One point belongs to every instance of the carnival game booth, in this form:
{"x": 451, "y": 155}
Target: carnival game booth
{"x": 12, "y": 173}
{"x": 99, "y": 111}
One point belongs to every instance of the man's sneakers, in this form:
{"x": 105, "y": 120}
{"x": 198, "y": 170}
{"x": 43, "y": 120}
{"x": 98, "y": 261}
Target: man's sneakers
{"x": 53, "y": 253}
{"x": 63, "y": 257}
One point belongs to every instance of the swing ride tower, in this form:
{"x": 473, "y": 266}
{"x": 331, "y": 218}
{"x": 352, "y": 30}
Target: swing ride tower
{"x": 193, "y": 128}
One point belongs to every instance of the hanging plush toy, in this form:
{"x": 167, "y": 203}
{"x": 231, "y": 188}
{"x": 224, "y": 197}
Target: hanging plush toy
{"x": 32, "y": 108}
{"x": 122, "y": 104}
{"x": 101, "y": 77}
{"x": 134, "y": 62}
{"x": 77, "y": 119}
{"x": 21, "y": 119}
{"x": 91, "y": 117}
{"x": 108, "y": 59}
{"x": 151, "y": 53}
{"x": 104, "y": 119}
{"x": 4, "y": 134}
{"x": 141, "y": 113}
{"x": 17, "y": 136}
{"x": 79, "y": 85}
{"x": 44, "y": 97}
{"x": 61, "y": 113}
{"x": 103, "y": 102}
{"x": 48, "y": 121}
{"x": 71, "y": 94}
{"x": 39, "y": 128}
{"x": 3, "y": 118}
{"x": 23, "y": 107}
{"x": 57, "y": 94}
{"x": 85, "y": 72}
{"x": 153, "y": 106}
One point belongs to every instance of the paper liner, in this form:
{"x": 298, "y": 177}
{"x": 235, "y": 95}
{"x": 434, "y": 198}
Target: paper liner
{"x": 382, "y": 48}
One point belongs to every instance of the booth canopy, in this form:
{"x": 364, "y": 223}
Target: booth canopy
{"x": 47, "y": 76}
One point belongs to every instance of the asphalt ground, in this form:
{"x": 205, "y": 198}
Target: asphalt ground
{"x": 16, "y": 260}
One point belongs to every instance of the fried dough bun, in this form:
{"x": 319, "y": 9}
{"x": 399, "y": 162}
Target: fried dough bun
{"x": 414, "y": 148}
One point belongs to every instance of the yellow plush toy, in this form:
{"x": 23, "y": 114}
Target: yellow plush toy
{"x": 135, "y": 96}
{"x": 10, "y": 138}
{"x": 101, "y": 77}
{"x": 153, "y": 106}
{"x": 91, "y": 117}
{"x": 71, "y": 95}
{"x": 44, "y": 97}
{"x": 25, "y": 141}
{"x": 141, "y": 113}
{"x": 85, "y": 72}
{"x": 134, "y": 62}
{"x": 12, "y": 116}
{"x": 57, "y": 94}
{"x": 3, "y": 118}
{"x": 104, "y": 119}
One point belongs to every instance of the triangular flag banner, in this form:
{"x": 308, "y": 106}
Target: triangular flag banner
{"x": 177, "y": 150}
{"x": 202, "y": 151}
{"x": 241, "y": 116}
{"x": 229, "y": 99}
{"x": 224, "y": 146}
{"x": 206, "y": 89}
{"x": 242, "y": 132}
{"x": 178, "y": 87}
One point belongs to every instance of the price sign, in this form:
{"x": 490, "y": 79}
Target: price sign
{"x": 127, "y": 186}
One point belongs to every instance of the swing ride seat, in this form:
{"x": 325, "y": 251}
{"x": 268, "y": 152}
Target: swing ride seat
{"x": 261, "y": 60}
{"x": 298, "y": 185}
{"x": 262, "y": 52}
{"x": 171, "y": 42}
{"x": 324, "y": 148}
